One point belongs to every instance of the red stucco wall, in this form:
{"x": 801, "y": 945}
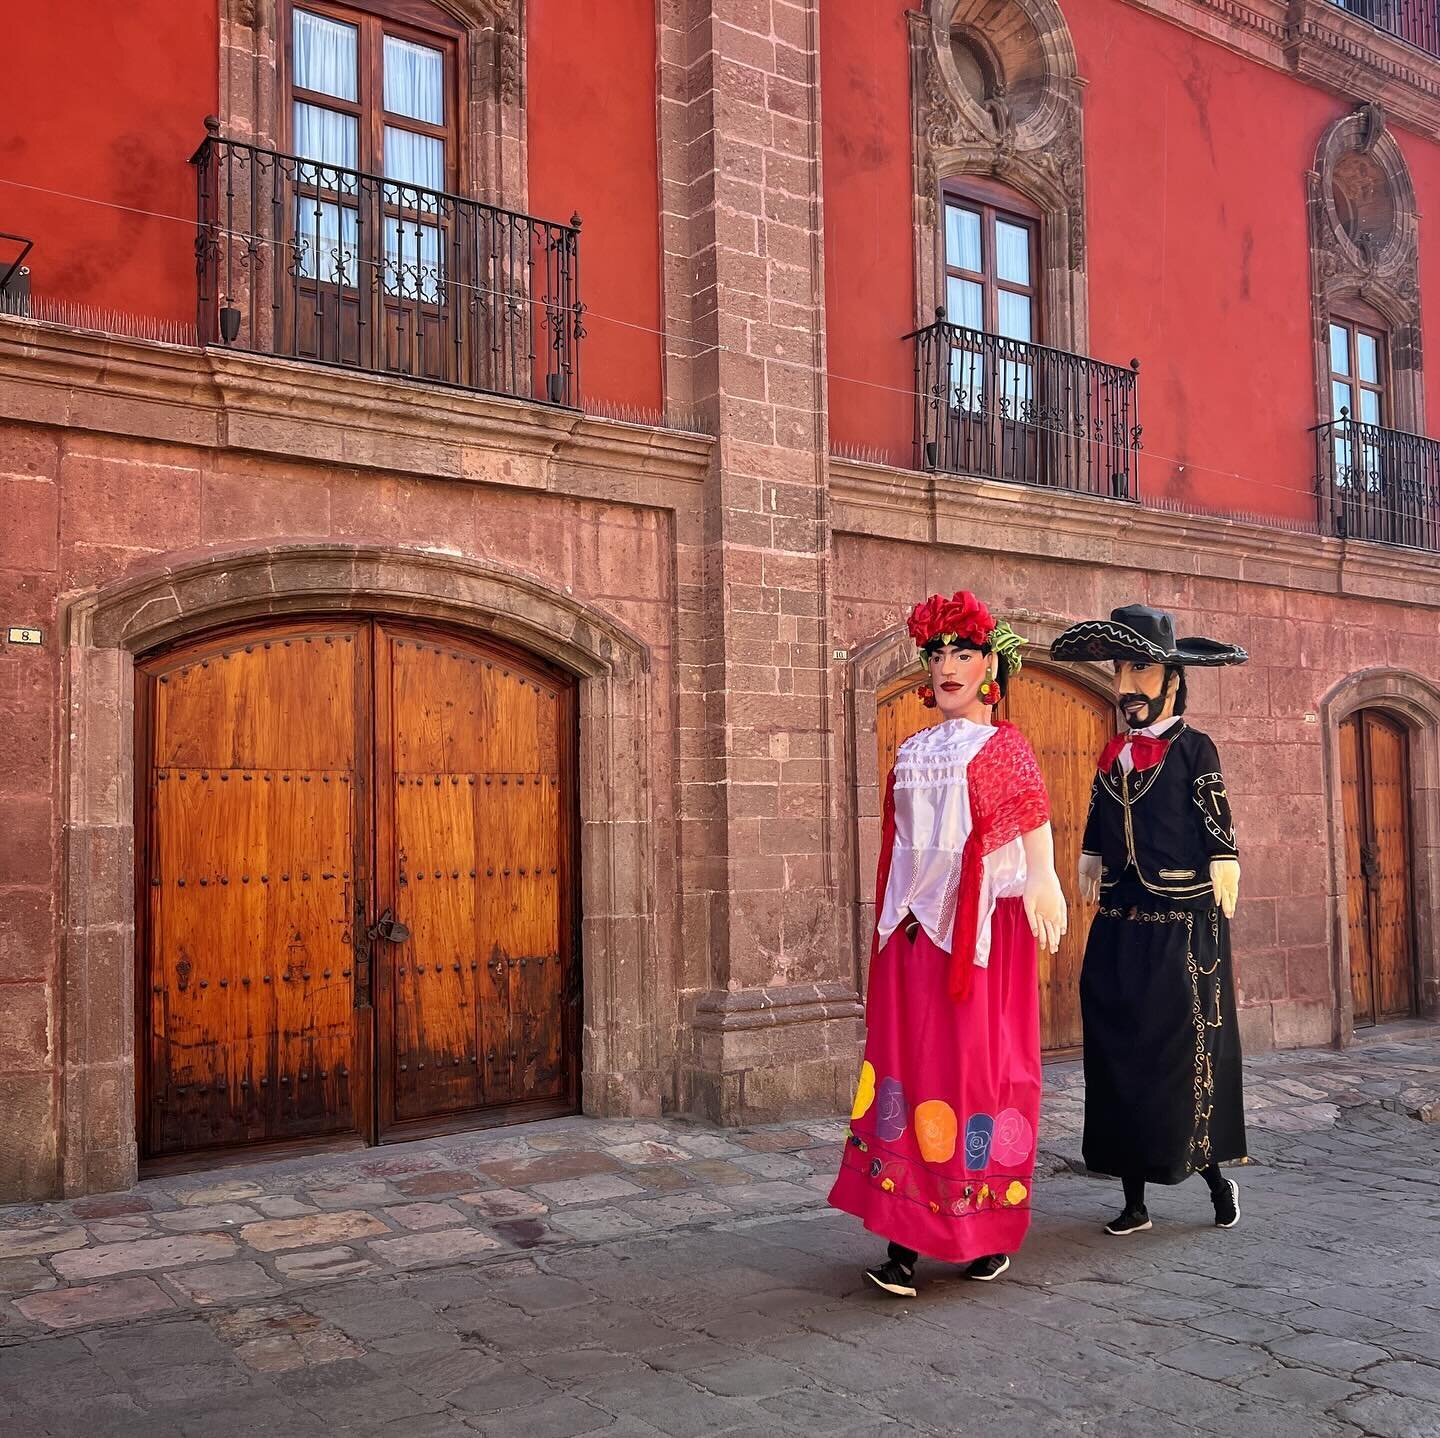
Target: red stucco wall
{"x": 1196, "y": 163}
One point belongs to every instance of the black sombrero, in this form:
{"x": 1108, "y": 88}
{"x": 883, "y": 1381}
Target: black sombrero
{"x": 1141, "y": 634}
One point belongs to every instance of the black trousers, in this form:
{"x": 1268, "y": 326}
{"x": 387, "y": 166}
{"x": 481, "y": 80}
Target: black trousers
{"x": 1135, "y": 1187}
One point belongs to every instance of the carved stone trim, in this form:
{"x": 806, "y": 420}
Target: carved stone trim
{"x": 1028, "y": 136}
{"x": 1375, "y": 260}
{"x": 492, "y": 91}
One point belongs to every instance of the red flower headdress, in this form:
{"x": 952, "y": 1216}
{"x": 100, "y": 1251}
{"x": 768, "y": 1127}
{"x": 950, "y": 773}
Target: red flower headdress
{"x": 945, "y": 621}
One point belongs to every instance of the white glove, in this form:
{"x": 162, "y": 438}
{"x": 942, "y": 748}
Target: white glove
{"x": 1090, "y": 878}
{"x": 1225, "y": 884}
{"x": 1045, "y": 908}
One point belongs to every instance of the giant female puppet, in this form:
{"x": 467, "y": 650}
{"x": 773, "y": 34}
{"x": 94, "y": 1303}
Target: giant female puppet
{"x": 941, "y": 1155}
{"x": 1157, "y": 996}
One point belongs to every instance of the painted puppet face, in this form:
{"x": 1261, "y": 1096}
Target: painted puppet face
{"x": 1144, "y": 693}
{"x": 956, "y": 674}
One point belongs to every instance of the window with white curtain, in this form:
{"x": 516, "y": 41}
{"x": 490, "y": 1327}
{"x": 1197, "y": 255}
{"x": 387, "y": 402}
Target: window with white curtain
{"x": 372, "y": 94}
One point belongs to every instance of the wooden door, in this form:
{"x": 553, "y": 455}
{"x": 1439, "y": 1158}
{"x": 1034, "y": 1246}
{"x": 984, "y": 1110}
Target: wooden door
{"x": 1375, "y": 798}
{"x": 480, "y": 1004}
{"x": 253, "y": 864}
{"x": 1067, "y": 726}
{"x": 356, "y": 865}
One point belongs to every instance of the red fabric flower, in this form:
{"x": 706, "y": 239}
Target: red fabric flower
{"x": 962, "y": 615}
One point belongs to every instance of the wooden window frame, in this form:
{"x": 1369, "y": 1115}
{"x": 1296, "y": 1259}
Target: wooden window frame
{"x": 1357, "y": 321}
{"x": 414, "y": 20}
{"x": 994, "y": 202}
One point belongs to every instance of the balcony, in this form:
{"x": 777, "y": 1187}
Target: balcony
{"x": 1417, "y": 22}
{"x": 999, "y": 408}
{"x": 1378, "y": 484}
{"x": 313, "y": 262}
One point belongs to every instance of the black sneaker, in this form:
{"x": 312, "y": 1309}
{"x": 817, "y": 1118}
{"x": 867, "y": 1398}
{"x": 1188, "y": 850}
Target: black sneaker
{"x": 894, "y": 1278}
{"x": 984, "y": 1270}
{"x": 1227, "y": 1208}
{"x": 1133, "y": 1220}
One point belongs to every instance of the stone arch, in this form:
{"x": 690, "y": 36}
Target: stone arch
{"x": 629, "y": 1002}
{"x": 870, "y": 668}
{"x": 492, "y": 88}
{"x": 1364, "y": 246}
{"x": 1025, "y": 131}
{"x": 1415, "y": 703}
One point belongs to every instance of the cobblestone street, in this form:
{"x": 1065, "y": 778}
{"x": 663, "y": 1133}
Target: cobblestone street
{"x": 642, "y": 1278}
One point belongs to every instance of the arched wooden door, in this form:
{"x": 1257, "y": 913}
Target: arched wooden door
{"x": 356, "y": 857}
{"x": 1375, "y": 787}
{"x": 1067, "y": 725}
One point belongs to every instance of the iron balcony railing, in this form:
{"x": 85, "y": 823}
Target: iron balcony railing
{"x": 1003, "y": 409}
{"x": 1378, "y": 484}
{"x": 1417, "y": 22}
{"x": 316, "y": 262}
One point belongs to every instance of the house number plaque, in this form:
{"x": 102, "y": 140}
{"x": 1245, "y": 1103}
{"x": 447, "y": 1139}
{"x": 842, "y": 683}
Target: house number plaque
{"x": 23, "y": 636}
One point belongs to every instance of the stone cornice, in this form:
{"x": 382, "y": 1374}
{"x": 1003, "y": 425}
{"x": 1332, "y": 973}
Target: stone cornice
{"x": 1324, "y": 45}
{"x": 883, "y": 503}
{"x": 174, "y": 394}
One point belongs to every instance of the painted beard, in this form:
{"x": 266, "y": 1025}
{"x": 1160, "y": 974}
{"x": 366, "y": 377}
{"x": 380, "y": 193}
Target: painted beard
{"x": 1144, "y": 716}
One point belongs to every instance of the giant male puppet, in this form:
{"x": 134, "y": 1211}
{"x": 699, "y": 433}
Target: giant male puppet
{"x": 1157, "y": 992}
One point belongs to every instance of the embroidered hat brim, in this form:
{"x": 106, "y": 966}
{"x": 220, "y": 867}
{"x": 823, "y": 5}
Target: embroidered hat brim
{"x": 1098, "y": 639}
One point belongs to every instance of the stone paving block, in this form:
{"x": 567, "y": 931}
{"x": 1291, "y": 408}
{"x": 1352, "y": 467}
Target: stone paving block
{"x": 496, "y": 1395}
{"x": 777, "y": 1165}
{"x": 139, "y": 1349}
{"x": 1335, "y": 1355}
{"x": 1243, "y": 1327}
{"x": 277, "y": 1234}
{"x": 1212, "y": 1358}
{"x": 110, "y": 1205}
{"x": 752, "y": 1196}
{"x": 812, "y": 1410}
{"x": 92, "y": 1303}
{"x": 718, "y": 1171}
{"x": 647, "y": 1151}
{"x": 504, "y": 1203}
{"x": 435, "y": 1183}
{"x": 422, "y": 1216}
{"x": 706, "y": 1145}
{"x": 445, "y": 1245}
{"x": 1406, "y": 1378}
{"x": 665, "y": 1402}
{"x": 596, "y": 1189}
{"x": 351, "y": 1195}
{"x": 549, "y": 1168}
{"x": 283, "y": 1206}
{"x": 24, "y": 1275}
{"x": 323, "y": 1263}
{"x": 1301, "y": 1387}
{"x": 749, "y": 1377}
{"x": 543, "y": 1293}
{"x": 678, "y": 1209}
{"x": 346, "y": 1393}
{"x": 558, "y": 1416}
{"x": 1387, "y": 1416}
{"x": 363, "y": 1314}
{"x": 439, "y": 1374}
{"x": 597, "y": 1224}
{"x": 233, "y": 1191}
{"x": 118, "y": 1230}
{"x": 222, "y": 1282}
{"x": 213, "y": 1216}
{"x": 142, "y": 1255}
{"x": 29, "y": 1241}
{"x": 661, "y": 1178}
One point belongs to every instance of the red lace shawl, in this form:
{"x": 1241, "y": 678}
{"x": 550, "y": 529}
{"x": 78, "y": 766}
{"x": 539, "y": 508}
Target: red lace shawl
{"x": 1007, "y": 799}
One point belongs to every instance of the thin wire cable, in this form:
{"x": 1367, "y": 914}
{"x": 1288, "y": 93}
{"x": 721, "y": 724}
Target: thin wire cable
{"x": 701, "y": 351}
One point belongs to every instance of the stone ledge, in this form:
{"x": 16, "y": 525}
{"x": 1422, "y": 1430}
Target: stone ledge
{"x": 53, "y": 375}
{"x": 878, "y": 502}
{"x": 721, "y": 1011}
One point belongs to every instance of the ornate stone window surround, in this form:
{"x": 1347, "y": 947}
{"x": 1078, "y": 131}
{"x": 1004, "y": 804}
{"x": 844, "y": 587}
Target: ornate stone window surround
{"x": 492, "y": 86}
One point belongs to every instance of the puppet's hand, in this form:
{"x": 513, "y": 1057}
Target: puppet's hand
{"x": 1045, "y": 908}
{"x": 1090, "y": 878}
{"x": 1225, "y": 884}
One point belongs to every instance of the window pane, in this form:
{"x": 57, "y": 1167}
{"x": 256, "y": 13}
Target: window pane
{"x": 414, "y": 81}
{"x": 412, "y": 261}
{"x": 1369, "y": 406}
{"x": 1012, "y": 253}
{"x": 415, "y": 159}
{"x": 1367, "y": 357}
{"x": 325, "y": 55}
{"x": 325, "y": 246}
{"x": 962, "y": 239}
{"x": 964, "y": 303}
{"x": 1340, "y": 399}
{"x": 327, "y": 137}
{"x": 1014, "y": 316}
{"x": 1339, "y": 349}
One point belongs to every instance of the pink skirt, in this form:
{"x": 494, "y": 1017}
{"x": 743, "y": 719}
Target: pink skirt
{"x": 941, "y": 1154}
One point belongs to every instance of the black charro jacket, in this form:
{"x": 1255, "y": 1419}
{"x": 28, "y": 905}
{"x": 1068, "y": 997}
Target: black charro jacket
{"x": 1156, "y": 832}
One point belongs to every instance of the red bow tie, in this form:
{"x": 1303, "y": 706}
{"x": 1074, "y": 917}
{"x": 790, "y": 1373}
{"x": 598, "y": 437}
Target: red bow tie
{"x": 1145, "y": 752}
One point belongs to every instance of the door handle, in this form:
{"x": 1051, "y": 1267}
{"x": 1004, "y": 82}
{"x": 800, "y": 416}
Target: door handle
{"x": 389, "y": 928}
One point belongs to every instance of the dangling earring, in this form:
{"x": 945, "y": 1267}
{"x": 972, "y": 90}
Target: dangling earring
{"x": 927, "y": 696}
{"x": 989, "y": 692}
